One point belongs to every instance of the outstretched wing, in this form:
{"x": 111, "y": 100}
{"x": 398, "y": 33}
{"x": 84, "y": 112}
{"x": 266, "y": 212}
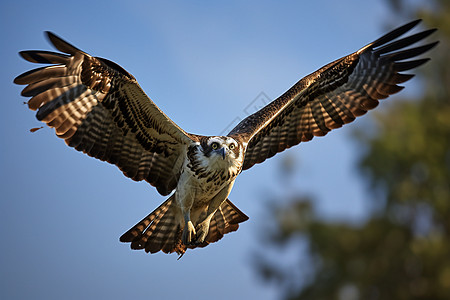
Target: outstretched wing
{"x": 332, "y": 96}
{"x": 97, "y": 107}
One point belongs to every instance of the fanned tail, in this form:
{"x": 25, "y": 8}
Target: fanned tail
{"x": 161, "y": 230}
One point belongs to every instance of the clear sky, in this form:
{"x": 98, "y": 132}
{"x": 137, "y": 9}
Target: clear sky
{"x": 202, "y": 63}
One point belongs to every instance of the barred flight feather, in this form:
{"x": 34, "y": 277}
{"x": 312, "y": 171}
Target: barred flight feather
{"x": 332, "y": 96}
{"x": 97, "y": 107}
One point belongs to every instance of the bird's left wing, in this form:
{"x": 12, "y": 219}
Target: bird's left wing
{"x": 332, "y": 96}
{"x": 99, "y": 108}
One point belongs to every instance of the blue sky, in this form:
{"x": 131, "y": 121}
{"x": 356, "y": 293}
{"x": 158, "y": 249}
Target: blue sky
{"x": 202, "y": 63}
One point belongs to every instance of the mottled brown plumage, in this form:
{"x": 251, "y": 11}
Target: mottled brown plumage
{"x": 98, "y": 108}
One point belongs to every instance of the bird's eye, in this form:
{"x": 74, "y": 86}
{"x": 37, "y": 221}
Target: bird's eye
{"x": 232, "y": 146}
{"x": 215, "y": 146}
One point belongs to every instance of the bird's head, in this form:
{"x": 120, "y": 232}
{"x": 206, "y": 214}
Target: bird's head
{"x": 221, "y": 148}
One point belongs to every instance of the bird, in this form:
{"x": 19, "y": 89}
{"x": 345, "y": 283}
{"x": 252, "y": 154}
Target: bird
{"x": 98, "y": 108}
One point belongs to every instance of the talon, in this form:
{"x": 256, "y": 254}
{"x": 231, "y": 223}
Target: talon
{"x": 188, "y": 233}
{"x": 202, "y": 232}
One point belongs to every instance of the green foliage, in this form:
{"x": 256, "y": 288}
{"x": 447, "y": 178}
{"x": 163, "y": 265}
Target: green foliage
{"x": 403, "y": 250}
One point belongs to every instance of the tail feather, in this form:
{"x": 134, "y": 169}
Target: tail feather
{"x": 225, "y": 220}
{"x": 140, "y": 227}
{"x": 161, "y": 230}
{"x": 154, "y": 229}
{"x": 170, "y": 244}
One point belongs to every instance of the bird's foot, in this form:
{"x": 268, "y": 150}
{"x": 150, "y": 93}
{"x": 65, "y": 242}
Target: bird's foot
{"x": 189, "y": 233}
{"x": 202, "y": 231}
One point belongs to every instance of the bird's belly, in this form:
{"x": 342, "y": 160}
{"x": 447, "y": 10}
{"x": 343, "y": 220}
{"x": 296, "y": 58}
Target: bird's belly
{"x": 200, "y": 189}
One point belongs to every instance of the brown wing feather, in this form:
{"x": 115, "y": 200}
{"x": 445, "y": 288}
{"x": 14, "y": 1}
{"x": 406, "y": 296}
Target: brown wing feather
{"x": 97, "y": 107}
{"x": 332, "y": 96}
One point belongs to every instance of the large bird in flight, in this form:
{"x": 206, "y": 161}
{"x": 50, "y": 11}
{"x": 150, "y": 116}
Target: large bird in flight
{"x": 99, "y": 108}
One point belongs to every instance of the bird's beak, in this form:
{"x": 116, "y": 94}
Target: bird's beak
{"x": 223, "y": 152}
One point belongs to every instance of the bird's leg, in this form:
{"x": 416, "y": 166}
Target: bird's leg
{"x": 203, "y": 228}
{"x": 188, "y": 231}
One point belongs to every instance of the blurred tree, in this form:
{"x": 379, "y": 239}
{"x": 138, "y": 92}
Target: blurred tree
{"x": 403, "y": 250}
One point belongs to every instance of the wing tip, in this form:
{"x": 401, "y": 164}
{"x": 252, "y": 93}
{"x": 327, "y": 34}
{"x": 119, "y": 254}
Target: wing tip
{"x": 28, "y": 55}
{"x": 414, "y": 22}
{"x": 411, "y": 64}
{"x": 392, "y": 35}
{"x": 61, "y": 44}
{"x": 18, "y": 79}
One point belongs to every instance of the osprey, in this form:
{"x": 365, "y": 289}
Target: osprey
{"x": 99, "y": 108}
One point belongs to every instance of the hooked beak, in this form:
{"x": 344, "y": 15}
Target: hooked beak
{"x": 223, "y": 152}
